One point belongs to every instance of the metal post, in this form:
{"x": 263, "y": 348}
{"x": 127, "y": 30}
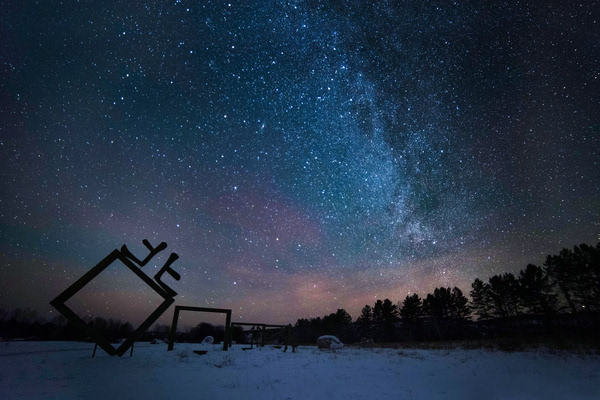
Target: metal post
{"x": 173, "y": 329}
{"x": 228, "y": 334}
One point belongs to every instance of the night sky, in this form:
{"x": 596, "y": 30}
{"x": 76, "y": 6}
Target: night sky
{"x": 298, "y": 156}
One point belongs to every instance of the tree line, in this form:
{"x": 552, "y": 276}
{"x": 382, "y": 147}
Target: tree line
{"x": 567, "y": 282}
{"x": 560, "y": 297}
{"x": 29, "y": 325}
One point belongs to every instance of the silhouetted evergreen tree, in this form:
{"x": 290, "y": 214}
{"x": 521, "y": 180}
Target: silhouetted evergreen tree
{"x": 481, "y": 302}
{"x": 316, "y": 327}
{"x": 390, "y": 318}
{"x": 385, "y": 316}
{"x": 594, "y": 261}
{"x": 412, "y": 309}
{"x": 460, "y": 305}
{"x": 303, "y": 331}
{"x": 378, "y": 311}
{"x": 438, "y": 304}
{"x": 410, "y": 314}
{"x": 339, "y": 324}
{"x": 364, "y": 323}
{"x": 448, "y": 310}
{"x": 446, "y": 303}
{"x": 557, "y": 268}
{"x": 587, "y": 266}
{"x": 504, "y": 293}
{"x": 377, "y": 326}
{"x": 535, "y": 291}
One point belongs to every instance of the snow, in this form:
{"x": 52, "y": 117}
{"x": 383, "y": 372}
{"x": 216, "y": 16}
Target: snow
{"x": 208, "y": 340}
{"x": 65, "y": 370}
{"x": 329, "y": 342}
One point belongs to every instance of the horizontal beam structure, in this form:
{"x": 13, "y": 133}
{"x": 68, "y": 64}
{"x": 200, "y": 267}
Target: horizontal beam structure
{"x": 260, "y": 327}
{"x": 263, "y": 325}
{"x": 228, "y": 334}
{"x": 204, "y": 309}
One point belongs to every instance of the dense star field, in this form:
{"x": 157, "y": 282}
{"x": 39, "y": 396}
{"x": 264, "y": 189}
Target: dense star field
{"x": 298, "y": 156}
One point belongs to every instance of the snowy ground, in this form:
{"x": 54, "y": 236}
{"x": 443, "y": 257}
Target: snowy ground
{"x": 65, "y": 370}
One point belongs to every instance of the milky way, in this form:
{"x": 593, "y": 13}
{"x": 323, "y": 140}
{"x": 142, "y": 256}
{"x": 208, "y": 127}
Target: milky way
{"x": 300, "y": 156}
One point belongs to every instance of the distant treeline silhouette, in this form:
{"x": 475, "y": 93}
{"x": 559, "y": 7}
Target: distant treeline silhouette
{"x": 29, "y": 325}
{"x": 558, "y": 299}
{"x": 26, "y": 324}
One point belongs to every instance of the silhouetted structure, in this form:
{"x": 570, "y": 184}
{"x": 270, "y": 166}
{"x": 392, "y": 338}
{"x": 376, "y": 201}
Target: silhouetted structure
{"x": 227, "y": 312}
{"x": 259, "y": 334}
{"x": 128, "y": 259}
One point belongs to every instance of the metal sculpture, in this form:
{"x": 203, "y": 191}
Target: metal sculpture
{"x": 227, "y": 312}
{"x": 130, "y": 261}
{"x": 259, "y": 331}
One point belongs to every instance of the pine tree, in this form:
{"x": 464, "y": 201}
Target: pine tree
{"x": 412, "y": 309}
{"x": 448, "y": 309}
{"x": 594, "y": 265}
{"x": 460, "y": 305}
{"x": 438, "y": 304}
{"x": 385, "y": 316}
{"x": 378, "y": 312}
{"x": 389, "y": 318}
{"x": 389, "y": 311}
{"x": 586, "y": 265}
{"x": 365, "y": 322}
{"x": 481, "y": 302}
{"x": 504, "y": 292}
{"x": 535, "y": 291}
{"x": 410, "y": 314}
{"x": 559, "y": 269}
{"x": 338, "y": 324}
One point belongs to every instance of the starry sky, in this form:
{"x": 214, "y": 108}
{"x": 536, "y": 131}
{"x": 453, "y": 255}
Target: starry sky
{"x": 298, "y": 156}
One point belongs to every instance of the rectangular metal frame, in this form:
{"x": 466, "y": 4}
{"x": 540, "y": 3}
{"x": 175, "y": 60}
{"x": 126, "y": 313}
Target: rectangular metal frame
{"x": 262, "y": 327}
{"x": 228, "y": 333}
{"x": 60, "y": 303}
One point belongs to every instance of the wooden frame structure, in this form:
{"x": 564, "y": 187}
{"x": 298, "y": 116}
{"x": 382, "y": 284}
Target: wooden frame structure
{"x": 259, "y": 328}
{"x": 60, "y": 303}
{"x": 228, "y": 333}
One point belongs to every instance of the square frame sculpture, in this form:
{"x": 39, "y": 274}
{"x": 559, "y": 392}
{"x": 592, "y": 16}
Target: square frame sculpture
{"x": 228, "y": 333}
{"x": 60, "y": 303}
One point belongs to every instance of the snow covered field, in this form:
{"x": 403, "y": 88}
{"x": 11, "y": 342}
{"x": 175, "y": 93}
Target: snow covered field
{"x": 65, "y": 370}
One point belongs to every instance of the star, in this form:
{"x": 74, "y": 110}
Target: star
{"x": 316, "y": 155}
